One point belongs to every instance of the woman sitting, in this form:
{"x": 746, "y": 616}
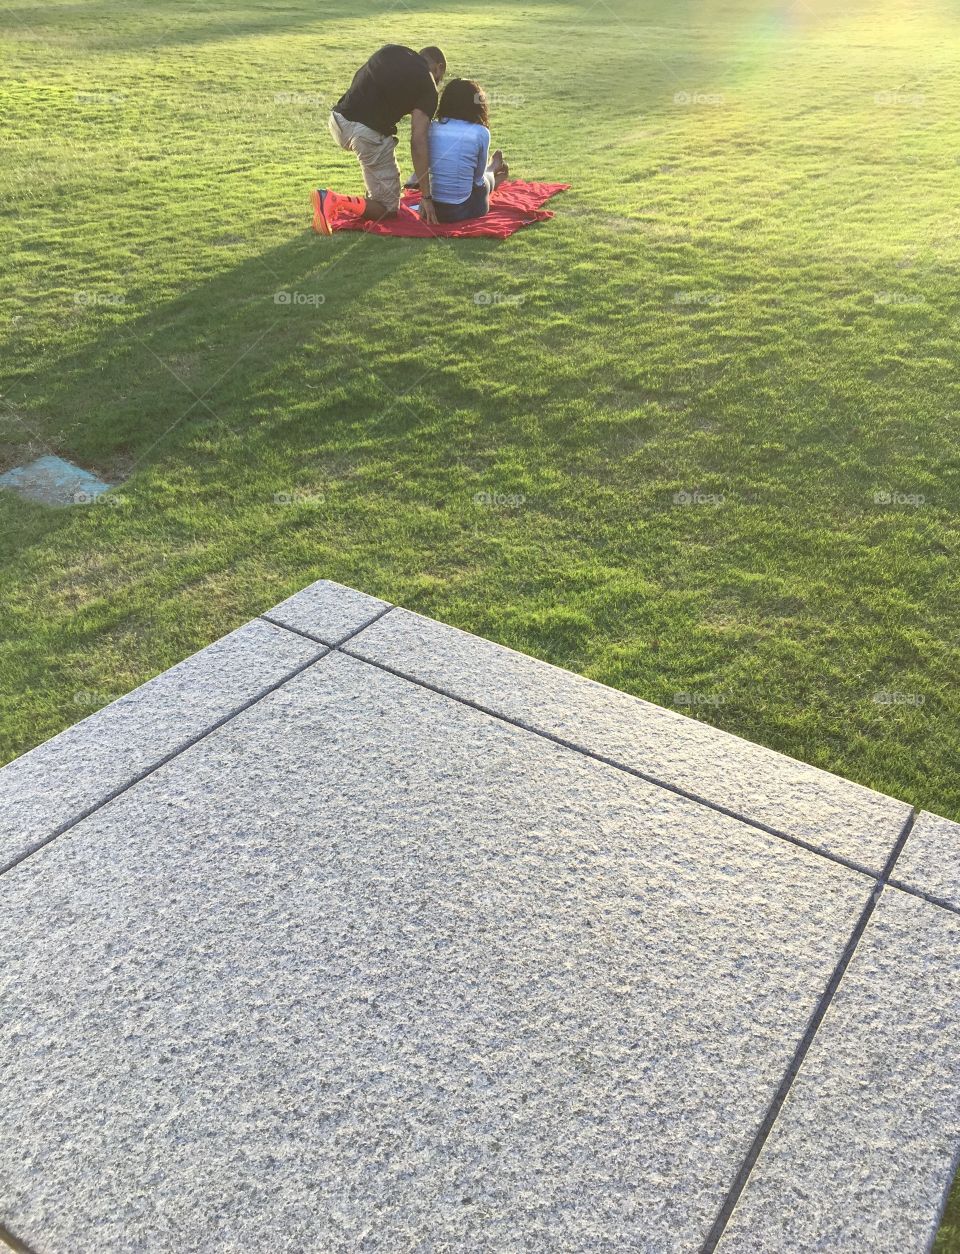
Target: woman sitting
{"x": 461, "y": 178}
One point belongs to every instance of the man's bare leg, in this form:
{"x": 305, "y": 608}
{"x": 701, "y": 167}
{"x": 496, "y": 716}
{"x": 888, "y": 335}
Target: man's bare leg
{"x": 376, "y": 212}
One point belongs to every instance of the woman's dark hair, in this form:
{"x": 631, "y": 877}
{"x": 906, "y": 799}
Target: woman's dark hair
{"x": 464, "y": 99}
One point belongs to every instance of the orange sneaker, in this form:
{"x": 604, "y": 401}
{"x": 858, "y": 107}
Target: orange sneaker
{"x": 321, "y": 223}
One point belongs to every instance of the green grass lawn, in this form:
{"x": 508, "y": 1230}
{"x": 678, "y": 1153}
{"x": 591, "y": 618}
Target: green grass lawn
{"x": 698, "y": 435}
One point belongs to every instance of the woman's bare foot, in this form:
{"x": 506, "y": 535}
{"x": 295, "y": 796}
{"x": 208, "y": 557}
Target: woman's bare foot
{"x": 496, "y": 161}
{"x": 501, "y": 174}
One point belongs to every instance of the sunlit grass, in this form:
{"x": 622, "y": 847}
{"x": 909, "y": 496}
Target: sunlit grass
{"x": 750, "y": 294}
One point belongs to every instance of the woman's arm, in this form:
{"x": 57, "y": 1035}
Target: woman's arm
{"x": 483, "y": 156}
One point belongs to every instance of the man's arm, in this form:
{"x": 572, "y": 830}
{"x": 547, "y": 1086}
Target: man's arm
{"x": 420, "y": 154}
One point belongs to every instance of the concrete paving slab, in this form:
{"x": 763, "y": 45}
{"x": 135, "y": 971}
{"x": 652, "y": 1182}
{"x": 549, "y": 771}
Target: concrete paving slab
{"x": 62, "y": 778}
{"x": 832, "y": 814}
{"x": 52, "y": 480}
{"x": 930, "y": 860}
{"x": 865, "y": 1147}
{"x": 366, "y": 969}
{"x": 327, "y": 611}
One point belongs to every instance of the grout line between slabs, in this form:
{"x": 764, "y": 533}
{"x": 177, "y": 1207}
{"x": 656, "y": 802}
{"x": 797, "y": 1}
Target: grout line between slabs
{"x": 356, "y": 632}
{"x": 880, "y": 881}
{"x": 7, "y": 1237}
{"x": 155, "y": 766}
{"x": 307, "y": 635}
{"x": 296, "y": 631}
{"x": 803, "y": 1048}
{"x": 797, "y": 841}
{"x": 619, "y": 766}
{"x": 931, "y": 898}
{"x": 188, "y": 744}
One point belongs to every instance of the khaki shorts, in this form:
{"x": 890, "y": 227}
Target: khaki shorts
{"x": 377, "y": 156}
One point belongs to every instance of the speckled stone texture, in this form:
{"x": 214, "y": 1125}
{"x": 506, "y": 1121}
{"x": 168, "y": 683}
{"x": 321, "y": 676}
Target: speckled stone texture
{"x": 365, "y": 969}
{"x": 930, "y": 860}
{"x": 863, "y": 1152}
{"x": 828, "y": 812}
{"x": 327, "y": 611}
{"x": 63, "y": 777}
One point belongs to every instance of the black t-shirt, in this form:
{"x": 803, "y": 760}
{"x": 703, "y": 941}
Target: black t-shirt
{"x": 394, "y": 82}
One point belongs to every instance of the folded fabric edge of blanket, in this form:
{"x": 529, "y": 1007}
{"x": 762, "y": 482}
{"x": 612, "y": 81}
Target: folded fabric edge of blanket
{"x": 501, "y": 222}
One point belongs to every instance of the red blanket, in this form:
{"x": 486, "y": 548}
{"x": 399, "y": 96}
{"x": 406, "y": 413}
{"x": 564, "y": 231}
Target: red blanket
{"x": 512, "y": 205}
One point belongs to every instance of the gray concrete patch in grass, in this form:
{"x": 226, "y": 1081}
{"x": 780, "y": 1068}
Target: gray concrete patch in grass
{"x": 51, "y": 480}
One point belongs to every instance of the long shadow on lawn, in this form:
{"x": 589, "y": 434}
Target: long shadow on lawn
{"x": 239, "y": 345}
{"x": 129, "y": 385}
{"x": 216, "y": 401}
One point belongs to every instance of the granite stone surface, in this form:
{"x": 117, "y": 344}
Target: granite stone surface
{"x": 328, "y": 611}
{"x": 366, "y": 969}
{"x": 832, "y": 814}
{"x": 864, "y": 1149}
{"x": 63, "y": 777}
{"x": 930, "y": 860}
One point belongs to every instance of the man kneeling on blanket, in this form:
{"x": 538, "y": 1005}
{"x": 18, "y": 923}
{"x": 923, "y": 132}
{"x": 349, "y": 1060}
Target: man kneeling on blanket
{"x": 394, "y": 82}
